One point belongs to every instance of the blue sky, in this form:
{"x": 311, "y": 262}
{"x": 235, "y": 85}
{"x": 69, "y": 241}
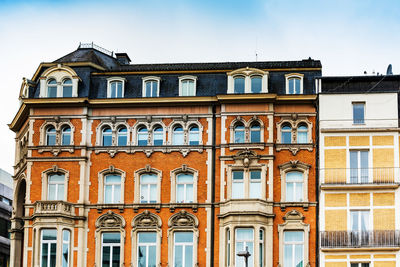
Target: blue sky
{"x": 349, "y": 37}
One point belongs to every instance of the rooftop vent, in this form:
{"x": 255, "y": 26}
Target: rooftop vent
{"x": 96, "y": 47}
{"x": 123, "y": 58}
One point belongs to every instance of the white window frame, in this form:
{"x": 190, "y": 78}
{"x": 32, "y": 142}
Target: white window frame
{"x": 114, "y": 200}
{"x": 245, "y": 241}
{"x": 148, "y": 187}
{"x": 115, "y": 79}
{"x": 292, "y": 245}
{"x": 185, "y": 185}
{"x": 150, "y": 78}
{"x": 247, "y": 129}
{"x": 184, "y": 78}
{"x": 137, "y": 188}
{"x": 49, "y": 242}
{"x": 111, "y": 246}
{"x": 101, "y": 184}
{"x": 247, "y": 73}
{"x": 67, "y": 85}
{"x": 296, "y": 184}
{"x": 47, "y": 135}
{"x": 63, "y": 134}
{"x": 294, "y": 167}
{"x": 45, "y": 181}
{"x": 294, "y": 75}
{"x": 57, "y": 185}
{"x": 184, "y": 245}
{"x": 246, "y": 180}
{"x": 147, "y": 245}
{"x": 173, "y": 177}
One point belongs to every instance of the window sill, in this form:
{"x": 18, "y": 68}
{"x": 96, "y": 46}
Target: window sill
{"x": 294, "y": 148}
{"x": 305, "y": 205}
{"x": 148, "y": 150}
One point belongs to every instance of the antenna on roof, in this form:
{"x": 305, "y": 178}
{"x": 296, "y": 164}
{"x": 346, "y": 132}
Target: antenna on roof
{"x": 389, "y": 70}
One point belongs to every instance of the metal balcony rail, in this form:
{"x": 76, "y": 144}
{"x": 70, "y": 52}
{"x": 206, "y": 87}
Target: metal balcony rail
{"x": 387, "y": 175}
{"x": 94, "y": 46}
{"x": 357, "y": 239}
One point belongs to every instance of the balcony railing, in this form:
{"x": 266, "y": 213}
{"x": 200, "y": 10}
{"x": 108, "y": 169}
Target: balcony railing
{"x": 360, "y": 239}
{"x": 52, "y": 207}
{"x": 388, "y": 175}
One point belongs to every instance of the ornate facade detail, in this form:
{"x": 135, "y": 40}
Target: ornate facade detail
{"x": 58, "y": 147}
{"x": 146, "y": 220}
{"x": 183, "y": 220}
{"x": 110, "y": 220}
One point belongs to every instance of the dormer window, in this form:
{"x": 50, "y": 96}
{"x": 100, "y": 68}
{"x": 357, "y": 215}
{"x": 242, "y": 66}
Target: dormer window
{"x": 67, "y": 88}
{"x": 294, "y": 83}
{"x": 52, "y": 88}
{"x": 59, "y": 81}
{"x": 239, "y": 85}
{"x": 247, "y": 81}
{"x": 151, "y": 87}
{"x": 115, "y": 87}
{"x": 187, "y": 86}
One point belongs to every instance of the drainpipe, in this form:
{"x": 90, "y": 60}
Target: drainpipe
{"x": 214, "y": 137}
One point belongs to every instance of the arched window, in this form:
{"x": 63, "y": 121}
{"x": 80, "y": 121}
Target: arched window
{"x": 294, "y": 186}
{"x": 256, "y": 84}
{"x": 151, "y": 88}
{"x": 194, "y": 135}
{"x": 116, "y": 89}
{"x": 142, "y": 136}
{"x": 112, "y": 188}
{"x": 158, "y": 136}
{"x": 67, "y": 88}
{"x": 55, "y": 186}
{"x": 107, "y": 136}
{"x": 286, "y": 134}
{"x": 184, "y": 188}
{"x": 188, "y": 87}
{"x": 302, "y": 134}
{"x": 294, "y": 85}
{"x": 122, "y": 136}
{"x": 51, "y": 136}
{"x": 52, "y": 88}
{"x": 148, "y": 188}
{"x": 177, "y": 135}
{"x": 239, "y": 133}
{"x": 255, "y": 133}
{"x": 66, "y": 136}
{"x": 238, "y": 85}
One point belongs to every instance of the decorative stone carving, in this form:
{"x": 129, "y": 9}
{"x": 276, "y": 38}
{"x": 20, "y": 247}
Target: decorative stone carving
{"x": 146, "y": 220}
{"x": 293, "y": 215}
{"x": 110, "y": 220}
{"x": 183, "y": 219}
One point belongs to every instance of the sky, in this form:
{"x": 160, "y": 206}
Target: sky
{"x": 348, "y": 36}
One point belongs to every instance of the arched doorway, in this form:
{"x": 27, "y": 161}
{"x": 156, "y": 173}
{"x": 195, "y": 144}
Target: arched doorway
{"x": 17, "y": 229}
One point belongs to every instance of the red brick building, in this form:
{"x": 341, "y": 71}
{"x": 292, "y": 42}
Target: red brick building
{"x": 121, "y": 164}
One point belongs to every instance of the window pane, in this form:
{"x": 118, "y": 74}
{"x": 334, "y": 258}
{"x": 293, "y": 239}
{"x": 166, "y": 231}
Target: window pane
{"x": 297, "y": 86}
{"x": 358, "y": 113}
{"x": 177, "y": 138}
{"x": 53, "y": 254}
{"x": 188, "y": 256}
{"x": 67, "y": 91}
{"x": 111, "y": 238}
{"x": 189, "y": 193}
{"x": 178, "y": 256}
{"x": 113, "y": 179}
{"x": 142, "y": 256}
{"x": 298, "y": 255}
{"x": 289, "y": 192}
{"x": 117, "y": 194}
{"x": 239, "y": 134}
{"x": 148, "y": 178}
{"x": 239, "y": 85}
{"x": 288, "y": 256}
{"x": 122, "y": 136}
{"x": 108, "y": 194}
{"x": 286, "y": 135}
{"x": 107, "y": 137}
{"x": 194, "y": 135}
{"x": 154, "y": 87}
{"x": 52, "y": 192}
{"x": 56, "y": 178}
{"x": 119, "y": 89}
{"x": 255, "y": 190}
{"x": 256, "y": 84}
{"x": 66, "y": 136}
{"x": 106, "y": 257}
{"x": 302, "y": 135}
{"x": 144, "y": 193}
{"x": 52, "y": 91}
{"x": 255, "y": 134}
{"x": 45, "y": 255}
{"x": 238, "y": 189}
{"x": 149, "y": 237}
{"x": 116, "y": 256}
{"x": 51, "y": 136}
{"x": 186, "y": 237}
{"x": 294, "y": 177}
{"x": 65, "y": 248}
{"x": 148, "y": 89}
{"x": 185, "y": 178}
{"x": 158, "y": 136}
{"x": 142, "y": 136}
{"x": 49, "y": 234}
{"x": 180, "y": 193}
{"x": 293, "y": 236}
{"x": 60, "y": 192}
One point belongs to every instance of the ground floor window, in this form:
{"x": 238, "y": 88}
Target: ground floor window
{"x": 293, "y": 248}
{"x": 183, "y": 249}
{"x": 111, "y": 249}
{"x": 147, "y": 249}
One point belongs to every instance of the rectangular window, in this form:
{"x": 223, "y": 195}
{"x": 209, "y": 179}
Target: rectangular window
{"x": 244, "y": 241}
{"x": 48, "y": 250}
{"x": 52, "y": 91}
{"x": 110, "y": 249}
{"x": 293, "y": 248}
{"x": 237, "y": 184}
{"x": 147, "y": 249}
{"x": 65, "y": 248}
{"x": 188, "y": 88}
{"x": 294, "y": 187}
{"x": 359, "y": 225}
{"x": 261, "y": 254}
{"x": 148, "y": 188}
{"x": 56, "y": 187}
{"x": 184, "y": 188}
{"x": 358, "y": 113}
{"x": 359, "y": 166}
{"x": 255, "y": 184}
{"x": 112, "y": 189}
{"x": 183, "y": 249}
{"x": 151, "y": 89}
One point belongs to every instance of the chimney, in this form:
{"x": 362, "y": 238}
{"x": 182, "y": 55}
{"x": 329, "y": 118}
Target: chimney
{"x": 123, "y": 58}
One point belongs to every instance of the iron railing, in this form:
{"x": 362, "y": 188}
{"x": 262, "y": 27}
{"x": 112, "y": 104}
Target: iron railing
{"x": 357, "y": 239}
{"x": 94, "y": 46}
{"x": 389, "y": 175}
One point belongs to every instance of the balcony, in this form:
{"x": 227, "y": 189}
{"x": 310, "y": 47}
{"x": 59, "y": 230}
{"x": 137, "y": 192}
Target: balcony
{"x": 360, "y": 239}
{"x": 333, "y": 178}
{"x": 50, "y": 208}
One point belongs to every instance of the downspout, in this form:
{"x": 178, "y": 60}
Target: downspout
{"x": 317, "y": 168}
{"x": 214, "y": 137}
